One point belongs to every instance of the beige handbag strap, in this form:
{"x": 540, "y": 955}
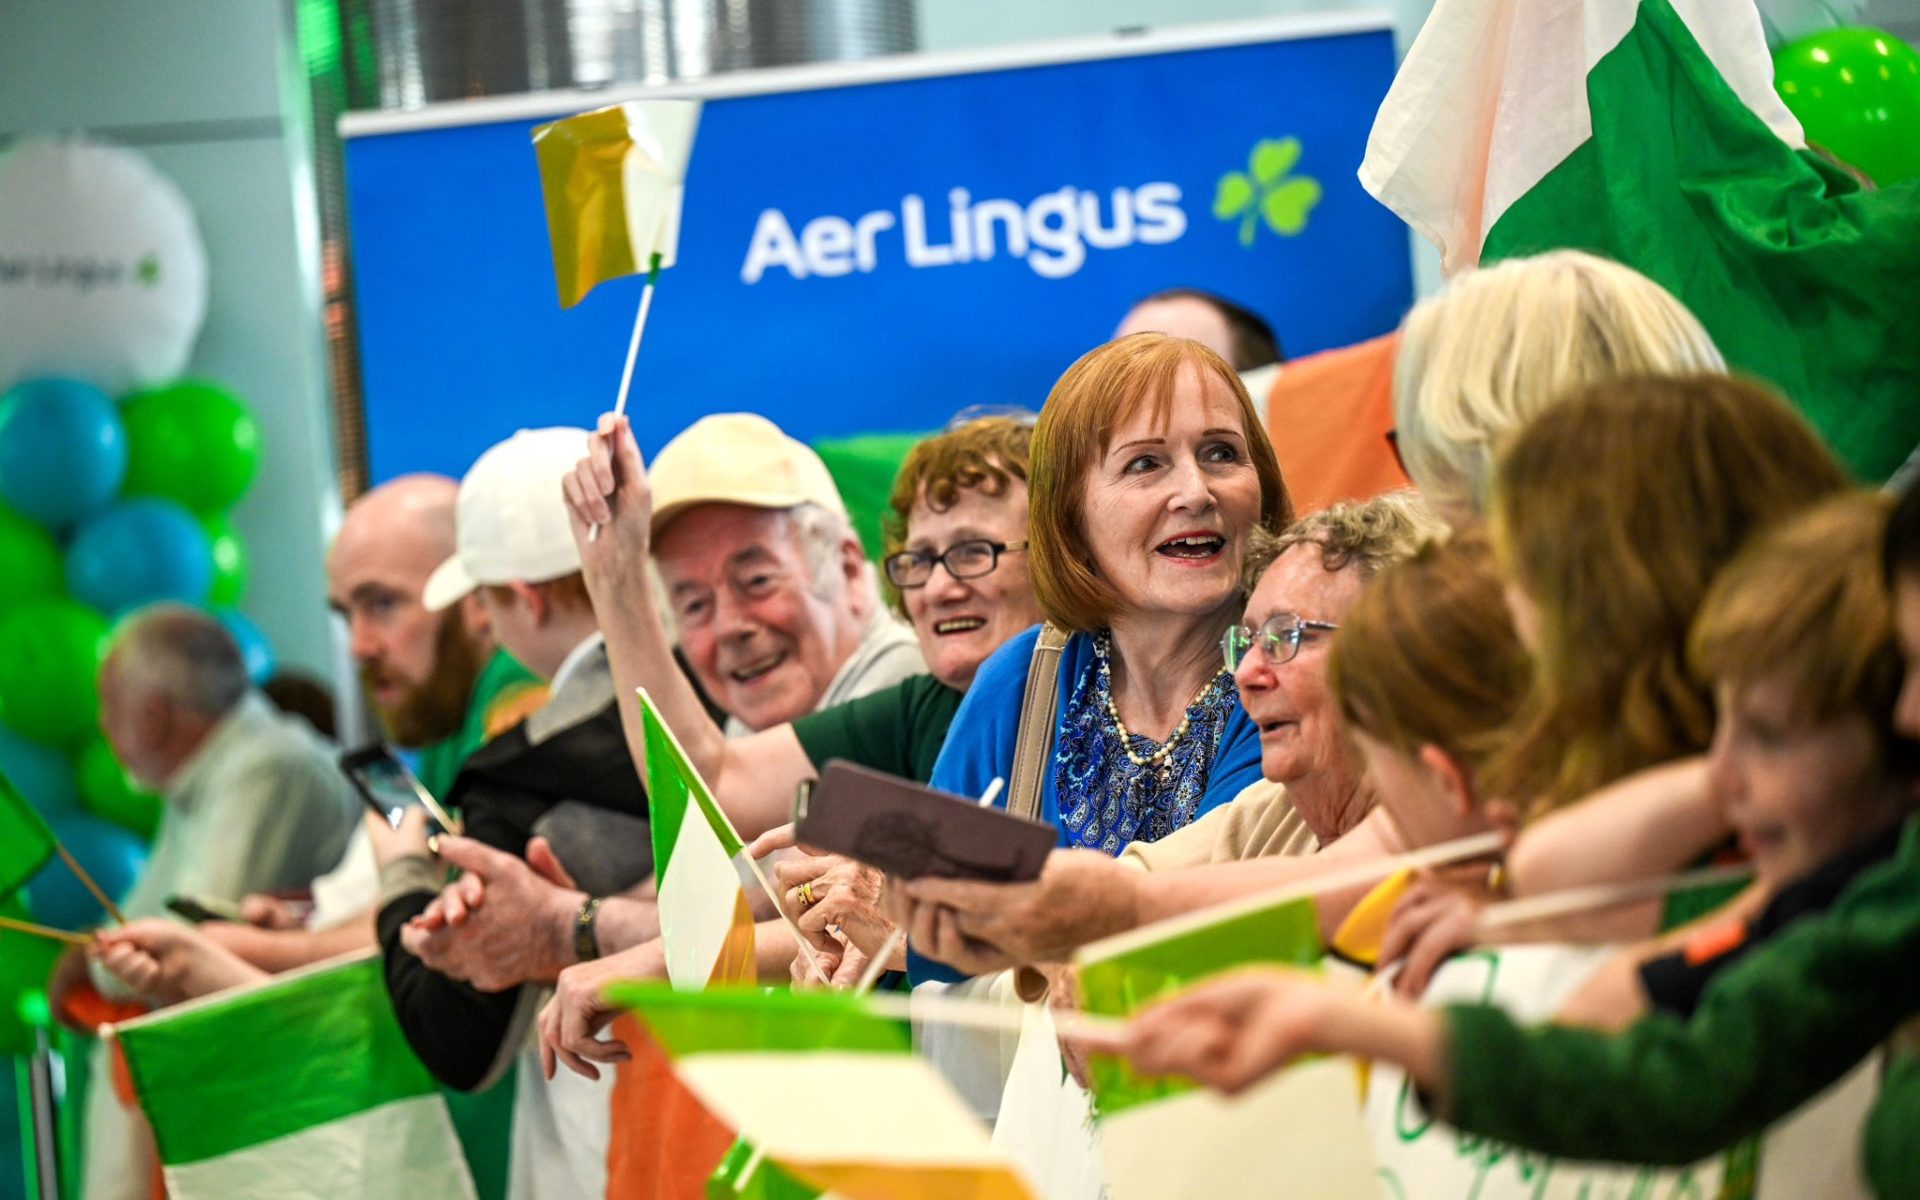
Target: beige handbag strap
{"x": 1038, "y": 707}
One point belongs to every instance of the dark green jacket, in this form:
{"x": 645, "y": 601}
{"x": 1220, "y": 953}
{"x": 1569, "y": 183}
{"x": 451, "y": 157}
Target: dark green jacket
{"x": 1771, "y": 1032}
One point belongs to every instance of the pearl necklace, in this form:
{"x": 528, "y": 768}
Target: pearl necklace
{"x": 1162, "y": 756}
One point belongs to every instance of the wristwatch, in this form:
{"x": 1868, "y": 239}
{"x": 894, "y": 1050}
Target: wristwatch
{"x": 586, "y": 944}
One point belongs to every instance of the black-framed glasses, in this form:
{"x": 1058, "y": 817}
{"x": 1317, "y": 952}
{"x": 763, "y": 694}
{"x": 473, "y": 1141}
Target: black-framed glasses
{"x": 963, "y": 560}
{"x": 1279, "y": 638}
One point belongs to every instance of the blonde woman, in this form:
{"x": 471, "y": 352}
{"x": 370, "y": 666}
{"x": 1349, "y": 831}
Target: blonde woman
{"x": 1504, "y": 342}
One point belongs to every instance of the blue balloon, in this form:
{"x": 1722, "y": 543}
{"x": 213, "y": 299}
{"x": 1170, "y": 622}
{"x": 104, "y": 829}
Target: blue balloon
{"x": 63, "y": 450}
{"x": 43, "y": 774}
{"x": 255, "y": 650}
{"x": 137, "y": 552}
{"x": 112, "y": 855}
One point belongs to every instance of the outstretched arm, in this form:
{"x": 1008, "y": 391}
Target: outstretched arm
{"x": 753, "y": 778}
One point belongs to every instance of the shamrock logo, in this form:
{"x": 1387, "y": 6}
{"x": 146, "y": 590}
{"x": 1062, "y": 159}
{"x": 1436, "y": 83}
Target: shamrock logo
{"x": 1264, "y": 191}
{"x": 148, "y": 270}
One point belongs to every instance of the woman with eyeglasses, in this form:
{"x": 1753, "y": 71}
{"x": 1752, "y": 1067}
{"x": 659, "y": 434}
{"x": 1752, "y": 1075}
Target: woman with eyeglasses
{"x": 1314, "y": 797}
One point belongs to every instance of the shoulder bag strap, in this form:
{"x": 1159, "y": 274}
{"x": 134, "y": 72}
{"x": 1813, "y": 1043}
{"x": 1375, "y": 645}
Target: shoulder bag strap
{"x": 1038, "y": 707}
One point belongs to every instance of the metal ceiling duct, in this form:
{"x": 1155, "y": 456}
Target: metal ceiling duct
{"x": 418, "y": 52}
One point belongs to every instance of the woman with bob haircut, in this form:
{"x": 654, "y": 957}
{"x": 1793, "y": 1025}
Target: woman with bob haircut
{"x": 1503, "y": 342}
{"x": 1150, "y": 473}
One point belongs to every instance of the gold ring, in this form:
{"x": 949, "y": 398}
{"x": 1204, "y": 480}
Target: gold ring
{"x": 806, "y": 893}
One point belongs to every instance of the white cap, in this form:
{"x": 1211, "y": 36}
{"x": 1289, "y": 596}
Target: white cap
{"x": 737, "y": 458}
{"x": 511, "y": 520}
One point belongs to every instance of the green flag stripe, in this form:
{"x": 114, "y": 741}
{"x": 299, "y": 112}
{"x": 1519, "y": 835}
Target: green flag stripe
{"x": 25, "y": 841}
{"x": 1802, "y": 278}
{"x": 721, "y": 1020}
{"x": 289, "y": 1056}
{"x": 674, "y": 789}
{"x": 1123, "y": 984}
{"x": 666, "y": 792}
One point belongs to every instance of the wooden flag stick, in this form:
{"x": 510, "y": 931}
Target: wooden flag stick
{"x": 86, "y": 880}
{"x": 46, "y": 931}
{"x": 1606, "y": 895}
{"x": 1361, "y": 871}
{"x": 991, "y": 1014}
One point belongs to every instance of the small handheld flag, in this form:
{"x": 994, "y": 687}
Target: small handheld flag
{"x": 613, "y": 180}
{"x": 25, "y": 841}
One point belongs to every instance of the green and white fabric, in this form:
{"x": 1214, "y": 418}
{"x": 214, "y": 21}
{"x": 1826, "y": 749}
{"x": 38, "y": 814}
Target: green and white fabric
{"x": 827, "y": 1089}
{"x": 1122, "y": 974}
{"x": 302, "y": 1087}
{"x": 706, "y": 924}
{"x": 1648, "y": 131}
{"x": 1161, "y": 1137}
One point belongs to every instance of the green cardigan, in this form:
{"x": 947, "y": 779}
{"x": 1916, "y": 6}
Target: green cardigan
{"x": 1773, "y": 1031}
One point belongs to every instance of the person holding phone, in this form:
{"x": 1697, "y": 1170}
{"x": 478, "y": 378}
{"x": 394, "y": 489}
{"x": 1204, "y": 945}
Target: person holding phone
{"x": 253, "y": 803}
{"x": 565, "y": 764}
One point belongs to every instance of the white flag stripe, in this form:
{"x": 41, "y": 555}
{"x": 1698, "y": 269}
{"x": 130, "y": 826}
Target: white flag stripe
{"x": 1305, "y": 1122}
{"x": 398, "y": 1151}
{"x": 653, "y": 174}
{"x": 1493, "y": 96}
{"x": 878, "y": 1108}
{"x": 698, "y": 894}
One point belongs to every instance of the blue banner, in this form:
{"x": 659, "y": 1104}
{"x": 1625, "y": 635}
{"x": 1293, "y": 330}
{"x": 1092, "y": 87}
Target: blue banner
{"x": 875, "y": 256}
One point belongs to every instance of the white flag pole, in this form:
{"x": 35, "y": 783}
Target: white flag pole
{"x": 633, "y": 353}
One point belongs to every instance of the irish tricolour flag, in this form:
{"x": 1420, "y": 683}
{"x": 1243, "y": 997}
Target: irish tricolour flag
{"x": 614, "y": 181}
{"x": 829, "y": 1090}
{"x": 700, "y": 864}
{"x": 297, "y": 1089}
{"x": 1164, "y": 1137}
{"x": 1648, "y": 131}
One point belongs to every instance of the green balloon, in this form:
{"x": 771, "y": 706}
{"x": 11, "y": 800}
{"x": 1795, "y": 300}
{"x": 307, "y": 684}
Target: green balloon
{"x": 191, "y": 442}
{"x": 50, "y": 654}
{"x": 230, "y": 565}
{"x": 1857, "y": 94}
{"x": 25, "y": 964}
{"x": 29, "y": 561}
{"x": 108, "y": 791}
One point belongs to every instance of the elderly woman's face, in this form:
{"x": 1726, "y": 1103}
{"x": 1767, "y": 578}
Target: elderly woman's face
{"x": 961, "y": 621}
{"x": 1168, "y": 507}
{"x": 1300, "y": 732}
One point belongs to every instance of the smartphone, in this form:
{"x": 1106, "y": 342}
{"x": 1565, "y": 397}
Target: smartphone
{"x": 910, "y": 830}
{"x": 389, "y": 789}
{"x": 202, "y": 908}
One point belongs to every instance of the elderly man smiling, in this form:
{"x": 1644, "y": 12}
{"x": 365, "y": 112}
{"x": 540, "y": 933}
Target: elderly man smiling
{"x": 771, "y": 595}
{"x": 777, "y": 616}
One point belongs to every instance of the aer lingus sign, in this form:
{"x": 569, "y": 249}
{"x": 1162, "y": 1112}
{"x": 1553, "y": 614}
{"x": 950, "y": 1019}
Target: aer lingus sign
{"x": 869, "y": 247}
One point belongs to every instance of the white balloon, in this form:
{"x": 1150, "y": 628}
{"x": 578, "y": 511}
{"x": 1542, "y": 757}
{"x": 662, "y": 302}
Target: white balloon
{"x": 103, "y": 276}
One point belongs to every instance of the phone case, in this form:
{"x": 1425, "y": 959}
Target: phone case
{"x": 911, "y": 830}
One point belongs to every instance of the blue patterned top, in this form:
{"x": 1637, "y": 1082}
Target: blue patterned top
{"x": 1223, "y": 759}
{"x": 1106, "y": 798}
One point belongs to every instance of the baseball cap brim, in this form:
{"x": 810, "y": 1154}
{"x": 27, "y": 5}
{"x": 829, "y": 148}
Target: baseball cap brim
{"x": 447, "y": 586}
{"x": 745, "y": 498}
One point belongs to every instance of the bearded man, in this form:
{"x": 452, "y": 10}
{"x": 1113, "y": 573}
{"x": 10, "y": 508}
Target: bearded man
{"x": 435, "y": 680}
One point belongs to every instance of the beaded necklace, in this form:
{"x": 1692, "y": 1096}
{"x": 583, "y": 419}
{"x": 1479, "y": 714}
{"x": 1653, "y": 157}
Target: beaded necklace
{"x": 1161, "y": 756}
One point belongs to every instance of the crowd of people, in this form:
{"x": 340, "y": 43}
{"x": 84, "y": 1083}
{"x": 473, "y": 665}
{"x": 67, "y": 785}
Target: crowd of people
{"x": 1632, "y": 618}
